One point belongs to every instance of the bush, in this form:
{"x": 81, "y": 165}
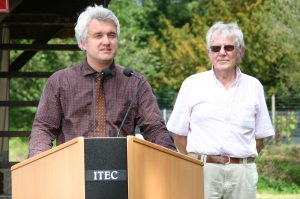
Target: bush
{"x": 286, "y": 126}
{"x": 279, "y": 169}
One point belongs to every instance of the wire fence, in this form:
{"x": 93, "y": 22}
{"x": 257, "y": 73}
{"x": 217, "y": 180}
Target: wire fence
{"x": 282, "y": 107}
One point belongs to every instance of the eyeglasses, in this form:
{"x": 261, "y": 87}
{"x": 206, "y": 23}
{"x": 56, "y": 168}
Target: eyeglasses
{"x": 217, "y": 49}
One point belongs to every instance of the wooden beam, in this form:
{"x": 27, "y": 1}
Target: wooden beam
{"x": 14, "y": 133}
{"x": 23, "y": 58}
{"x": 42, "y": 47}
{"x": 18, "y": 103}
{"x": 7, "y": 165}
{"x": 25, "y": 74}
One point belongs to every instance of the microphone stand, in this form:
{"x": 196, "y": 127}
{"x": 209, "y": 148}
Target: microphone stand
{"x": 128, "y": 73}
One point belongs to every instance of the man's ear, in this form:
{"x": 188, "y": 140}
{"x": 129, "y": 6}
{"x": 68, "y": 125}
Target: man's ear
{"x": 242, "y": 53}
{"x": 209, "y": 55}
{"x": 83, "y": 44}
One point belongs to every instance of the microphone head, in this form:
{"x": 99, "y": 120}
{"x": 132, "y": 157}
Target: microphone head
{"x": 105, "y": 72}
{"x": 127, "y": 72}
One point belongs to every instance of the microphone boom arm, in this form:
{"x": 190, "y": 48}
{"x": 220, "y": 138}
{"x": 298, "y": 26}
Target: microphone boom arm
{"x": 128, "y": 72}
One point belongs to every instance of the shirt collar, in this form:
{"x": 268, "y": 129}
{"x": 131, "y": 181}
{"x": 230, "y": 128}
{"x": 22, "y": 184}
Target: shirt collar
{"x": 88, "y": 70}
{"x": 238, "y": 74}
{"x": 237, "y": 71}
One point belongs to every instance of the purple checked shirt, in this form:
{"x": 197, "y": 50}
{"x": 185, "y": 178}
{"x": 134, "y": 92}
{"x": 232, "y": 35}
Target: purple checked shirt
{"x": 64, "y": 110}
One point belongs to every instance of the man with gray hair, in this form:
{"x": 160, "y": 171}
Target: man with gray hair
{"x": 97, "y": 98}
{"x": 221, "y": 117}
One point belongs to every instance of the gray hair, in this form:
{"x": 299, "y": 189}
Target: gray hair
{"x": 93, "y": 12}
{"x": 226, "y": 31}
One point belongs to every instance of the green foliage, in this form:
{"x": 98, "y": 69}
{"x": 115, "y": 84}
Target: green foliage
{"x": 278, "y": 167}
{"x": 270, "y": 29}
{"x": 272, "y": 55}
{"x": 166, "y": 41}
{"x": 286, "y": 126}
{"x": 265, "y": 185}
{"x": 182, "y": 50}
{"x": 18, "y": 149}
{"x": 182, "y": 53}
{"x": 21, "y": 118}
{"x": 133, "y": 50}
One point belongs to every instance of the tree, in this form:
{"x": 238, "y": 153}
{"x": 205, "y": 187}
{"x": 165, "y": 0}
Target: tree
{"x": 133, "y": 50}
{"x": 270, "y": 29}
{"x": 271, "y": 53}
{"x": 182, "y": 50}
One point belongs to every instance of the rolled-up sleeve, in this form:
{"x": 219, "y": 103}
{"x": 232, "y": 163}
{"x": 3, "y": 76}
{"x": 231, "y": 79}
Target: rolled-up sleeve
{"x": 179, "y": 121}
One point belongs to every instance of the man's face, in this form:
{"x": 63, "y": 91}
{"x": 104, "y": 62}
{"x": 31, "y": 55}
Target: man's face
{"x": 101, "y": 43}
{"x": 226, "y": 55}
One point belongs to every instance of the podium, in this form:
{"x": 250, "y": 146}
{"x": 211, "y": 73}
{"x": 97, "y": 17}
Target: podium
{"x": 108, "y": 168}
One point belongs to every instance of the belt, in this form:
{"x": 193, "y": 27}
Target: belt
{"x": 218, "y": 159}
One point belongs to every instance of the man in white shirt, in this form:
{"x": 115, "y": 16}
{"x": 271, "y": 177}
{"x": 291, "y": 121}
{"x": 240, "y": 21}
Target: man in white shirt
{"x": 221, "y": 117}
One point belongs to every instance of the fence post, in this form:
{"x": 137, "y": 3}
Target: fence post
{"x": 273, "y": 110}
{"x": 165, "y": 114}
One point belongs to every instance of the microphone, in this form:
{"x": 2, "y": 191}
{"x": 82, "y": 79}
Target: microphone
{"x": 128, "y": 72}
{"x": 105, "y": 72}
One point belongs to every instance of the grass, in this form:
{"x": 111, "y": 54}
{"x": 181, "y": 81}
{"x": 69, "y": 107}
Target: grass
{"x": 279, "y": 171}
{"x": 277, "y": 196}
{"x": 18, "y": 149}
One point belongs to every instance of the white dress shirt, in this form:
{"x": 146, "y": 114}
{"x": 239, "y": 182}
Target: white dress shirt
{"x": 217, "y": 121}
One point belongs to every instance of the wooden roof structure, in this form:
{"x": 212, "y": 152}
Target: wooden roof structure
{"x": 40, "y": 21}
{"x": 36, "y": 19}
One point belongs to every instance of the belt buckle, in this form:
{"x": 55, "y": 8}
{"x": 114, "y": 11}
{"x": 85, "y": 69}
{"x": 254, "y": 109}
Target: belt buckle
{"x": 228, "y": 160}
{"x": 194, "y": 155}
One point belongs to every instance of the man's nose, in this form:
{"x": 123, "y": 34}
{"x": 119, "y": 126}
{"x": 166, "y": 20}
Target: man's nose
{"x": 105, "y": 39}
{"x": 222, "y": 50}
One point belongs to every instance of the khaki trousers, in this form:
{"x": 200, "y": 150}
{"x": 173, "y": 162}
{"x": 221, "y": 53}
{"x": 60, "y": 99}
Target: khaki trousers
{"x": 230, "y": 181}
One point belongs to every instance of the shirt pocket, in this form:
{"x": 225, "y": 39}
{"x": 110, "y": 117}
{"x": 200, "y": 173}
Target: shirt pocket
{"x": 243, "y": 115}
